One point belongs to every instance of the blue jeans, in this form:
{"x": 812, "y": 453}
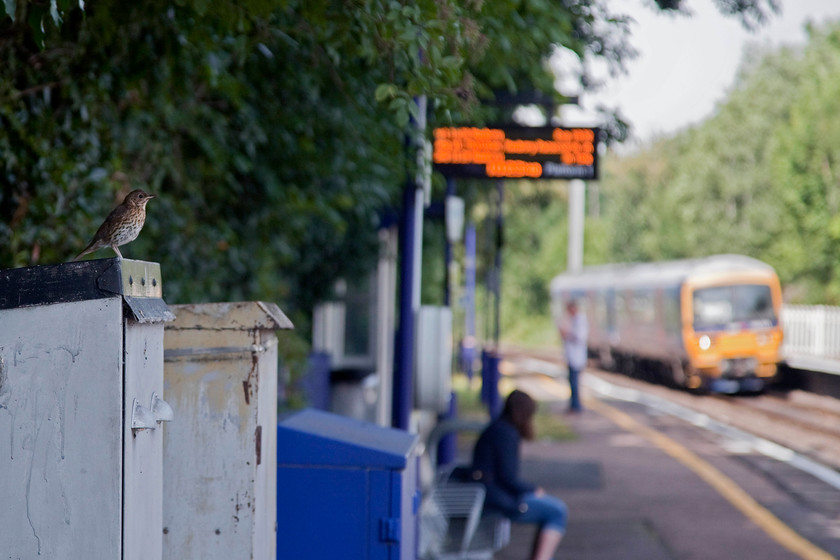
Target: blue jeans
{"x": 574, "y": 401}
{"x": 546, "y": 511}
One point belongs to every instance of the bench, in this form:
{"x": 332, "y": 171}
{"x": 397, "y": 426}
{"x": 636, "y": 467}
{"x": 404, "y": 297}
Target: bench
{"x": 453, "y": 524}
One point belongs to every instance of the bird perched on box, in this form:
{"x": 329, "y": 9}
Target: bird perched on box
{"x": 122, "y": 225}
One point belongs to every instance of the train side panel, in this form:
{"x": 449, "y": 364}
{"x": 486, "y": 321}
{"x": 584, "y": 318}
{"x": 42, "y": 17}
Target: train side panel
{"x": 648, "y": 323}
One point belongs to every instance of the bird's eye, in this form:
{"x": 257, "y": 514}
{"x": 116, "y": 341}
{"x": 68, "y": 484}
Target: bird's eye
{"x": 140, "y": 195}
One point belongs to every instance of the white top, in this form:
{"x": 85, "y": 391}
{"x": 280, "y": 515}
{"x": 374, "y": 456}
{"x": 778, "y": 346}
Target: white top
{"x": 574, "y": 340}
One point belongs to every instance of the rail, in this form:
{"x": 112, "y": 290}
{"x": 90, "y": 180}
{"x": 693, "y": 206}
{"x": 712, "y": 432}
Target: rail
{"x": 812, "y": 330}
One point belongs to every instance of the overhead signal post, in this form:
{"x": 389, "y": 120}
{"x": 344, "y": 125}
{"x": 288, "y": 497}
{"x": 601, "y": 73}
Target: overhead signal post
{"x": 516, "y": 152}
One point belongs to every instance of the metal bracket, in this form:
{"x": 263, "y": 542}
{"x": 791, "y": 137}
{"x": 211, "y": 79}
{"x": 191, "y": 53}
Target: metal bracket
{"x": 161, "y": 409}
{"x": 141, "y": 418}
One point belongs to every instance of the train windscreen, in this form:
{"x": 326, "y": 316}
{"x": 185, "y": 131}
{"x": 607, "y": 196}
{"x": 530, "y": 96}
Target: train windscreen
{"x": 722, "y": 306}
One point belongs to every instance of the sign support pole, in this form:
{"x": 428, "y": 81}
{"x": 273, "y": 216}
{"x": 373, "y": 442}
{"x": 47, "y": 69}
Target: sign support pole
{"x": 577, "y": 200}
{"x": 497, "y": 265}
{"x": 410, "y": 249}
{"x": 447, "y": 256}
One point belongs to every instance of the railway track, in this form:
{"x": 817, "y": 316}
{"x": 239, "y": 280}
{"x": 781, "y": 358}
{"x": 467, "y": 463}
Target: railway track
{"x": 809, "y": 412}
{"x": 804, "y": 422}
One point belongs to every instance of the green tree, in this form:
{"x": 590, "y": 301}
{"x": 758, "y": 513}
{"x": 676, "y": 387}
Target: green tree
{"x": 758, "y": 177}
{"x": 806, "y": 175}
{"x": 272, "y": 133}
{"x": 639, "y": 205}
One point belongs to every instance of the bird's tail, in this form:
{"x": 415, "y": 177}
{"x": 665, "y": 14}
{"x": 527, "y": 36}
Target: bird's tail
{"x": 88, "y": 249}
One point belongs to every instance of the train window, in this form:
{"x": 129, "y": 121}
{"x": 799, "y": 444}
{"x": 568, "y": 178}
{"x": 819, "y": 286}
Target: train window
{"x": 671, "y": 310}
{"x": 621, "y": 312}
{"x": 712, "y": 307}
{"x": 753, "y": 303}
{"x": 643, "y": 309}
{"x": 723, "y": 305}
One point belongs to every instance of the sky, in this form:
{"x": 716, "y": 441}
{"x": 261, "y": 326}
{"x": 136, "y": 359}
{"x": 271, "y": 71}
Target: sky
{"x": 686, "y": 65}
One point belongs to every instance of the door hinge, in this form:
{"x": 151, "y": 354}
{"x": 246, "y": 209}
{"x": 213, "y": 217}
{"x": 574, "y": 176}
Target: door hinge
{"x": 389, "y": 530}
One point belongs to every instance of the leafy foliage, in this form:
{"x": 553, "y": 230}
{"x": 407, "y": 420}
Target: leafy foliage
{"x": 753, "y": 13}
{"x": 274, "y": 134}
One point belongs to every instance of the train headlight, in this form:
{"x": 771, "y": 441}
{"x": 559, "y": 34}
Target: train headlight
{"x": 705, "y": 342}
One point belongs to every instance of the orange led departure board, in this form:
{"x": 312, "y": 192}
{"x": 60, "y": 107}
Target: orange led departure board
{"x": 517, "y": 152}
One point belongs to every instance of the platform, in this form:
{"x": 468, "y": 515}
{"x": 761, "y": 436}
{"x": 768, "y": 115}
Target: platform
{"x": 647, "y": 486}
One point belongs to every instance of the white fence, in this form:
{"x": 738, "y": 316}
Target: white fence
{"x": 811, "y": 330}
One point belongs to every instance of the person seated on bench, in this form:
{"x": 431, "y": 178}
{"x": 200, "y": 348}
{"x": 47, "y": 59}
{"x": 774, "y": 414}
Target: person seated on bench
{"x": 496, "y": 465}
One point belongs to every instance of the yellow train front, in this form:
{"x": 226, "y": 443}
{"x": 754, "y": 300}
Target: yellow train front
{"x": 709, "y": 323}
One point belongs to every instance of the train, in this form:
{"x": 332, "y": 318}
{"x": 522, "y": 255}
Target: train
{"x": 707, "y": 324}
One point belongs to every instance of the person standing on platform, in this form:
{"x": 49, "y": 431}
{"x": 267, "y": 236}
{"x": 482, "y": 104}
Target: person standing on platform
{"x": 496, "y": 465}
{"x": 574, "y": 332}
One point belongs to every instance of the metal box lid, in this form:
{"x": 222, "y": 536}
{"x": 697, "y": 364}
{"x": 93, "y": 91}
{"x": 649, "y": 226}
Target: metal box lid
{"x": 316, "y": 438}
{"x": 240, "y": 315}
{"x": 138, "y": 282}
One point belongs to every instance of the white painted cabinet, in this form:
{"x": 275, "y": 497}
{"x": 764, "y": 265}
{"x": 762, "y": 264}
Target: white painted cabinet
{"x": 81, "y": 357}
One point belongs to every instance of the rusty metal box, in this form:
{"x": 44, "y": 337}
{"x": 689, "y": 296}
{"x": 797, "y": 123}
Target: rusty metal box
{"x": 219, "y": 468}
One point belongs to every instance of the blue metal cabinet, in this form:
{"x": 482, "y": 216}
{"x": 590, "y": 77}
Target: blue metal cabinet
{"x": 346, "y": 489}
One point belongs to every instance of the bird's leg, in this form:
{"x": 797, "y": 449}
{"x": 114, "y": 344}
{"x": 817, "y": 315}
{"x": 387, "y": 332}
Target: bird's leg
{"x": 117, "y": 251}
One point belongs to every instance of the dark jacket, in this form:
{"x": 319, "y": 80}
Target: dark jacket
{"x": 496, "y": 464}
